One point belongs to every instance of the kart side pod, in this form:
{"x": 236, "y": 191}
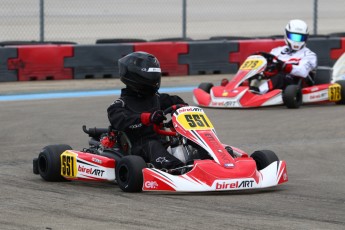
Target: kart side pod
{"x": 85, "y": 166}
{"x": 58, "y": 163}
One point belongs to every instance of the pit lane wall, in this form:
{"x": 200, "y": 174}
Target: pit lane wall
{"x": 51, "y": 61}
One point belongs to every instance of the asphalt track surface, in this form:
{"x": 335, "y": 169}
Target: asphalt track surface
{"x": 310, "y": 139}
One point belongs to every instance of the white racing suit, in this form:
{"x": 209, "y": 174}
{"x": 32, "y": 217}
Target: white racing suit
{"x": 303, "y": 62}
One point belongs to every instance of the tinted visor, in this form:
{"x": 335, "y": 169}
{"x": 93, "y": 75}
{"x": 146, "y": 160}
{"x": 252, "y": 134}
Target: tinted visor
{"x": 296, "y": 37}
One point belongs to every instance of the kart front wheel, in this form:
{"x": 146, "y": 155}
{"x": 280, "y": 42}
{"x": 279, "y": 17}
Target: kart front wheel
{"x": 292, "y": 96}
{"x": 129, "y": 173}
{"x": 264, "y": 158}
{"x": 49, "y": 163}
{"x": 206, "y": 86}
{"x": 342, "y": 92}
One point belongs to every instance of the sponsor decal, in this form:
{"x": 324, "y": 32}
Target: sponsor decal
{"x": 228, "y": 165}
{"x": 314, "y": 89}
{"x": 318, "y": 96}
{"x": 91, "y": 171}
{"x": 213, "y": 103}
{"x": 285, "y": 176}
{"x": 219, "y": 148}
{"x": 135, "y": 126}
{"x": 233, "y": 185}
{"x": 230, "y": 103}
{"x": 152, "y": 69}
{"x": 182, "y": 110}
{"x": 151, "y": 184}
{"x": 161, "y": 160}
{"x": 96, "y": 160}
{"x": 315, "y": 96}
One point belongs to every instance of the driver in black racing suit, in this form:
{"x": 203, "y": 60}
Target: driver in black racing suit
{"x": 140, "y": 106}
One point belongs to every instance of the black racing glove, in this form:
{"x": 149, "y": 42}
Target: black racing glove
{"x": 157, "y": 117}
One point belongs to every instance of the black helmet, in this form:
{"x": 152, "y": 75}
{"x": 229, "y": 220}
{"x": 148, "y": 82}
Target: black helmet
{"x": 140, "y": 72}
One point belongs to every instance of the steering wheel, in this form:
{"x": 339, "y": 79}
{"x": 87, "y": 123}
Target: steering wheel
{"x": 157, "y": 128}
{"x": 274, "y": 65}
{"x": 269, "y": 57}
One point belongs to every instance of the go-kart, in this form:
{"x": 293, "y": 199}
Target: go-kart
{"x": 238, "y": 93}
{"x": 189, "y": 133}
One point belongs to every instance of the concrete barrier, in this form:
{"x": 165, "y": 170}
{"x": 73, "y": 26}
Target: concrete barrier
{"x": 97, "y": 61}
{"x": 6, "y": 74}
{"x": 41, "y": 62}
{"x": 177, "y": 58}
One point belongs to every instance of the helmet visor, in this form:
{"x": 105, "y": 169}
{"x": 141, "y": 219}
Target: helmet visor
{"x": 297, "y": 37}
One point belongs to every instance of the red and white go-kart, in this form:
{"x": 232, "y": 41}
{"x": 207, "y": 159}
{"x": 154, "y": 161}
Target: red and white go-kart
{"x": 108, "y": 158}
{"x": 237, "y": 93}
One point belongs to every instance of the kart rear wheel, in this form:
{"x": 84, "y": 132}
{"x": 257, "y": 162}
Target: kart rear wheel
{"x": 342, "y": 92}
{"x": 292, "y": 96}
{"x": 206, "y": 86}
{"x": 264, "y": 158}
{"x": 49, "y": 163}
{"x": 129, "y": 173}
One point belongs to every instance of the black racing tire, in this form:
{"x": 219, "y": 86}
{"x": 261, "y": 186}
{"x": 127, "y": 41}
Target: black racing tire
{"x": 206, "y": 86}
{"x": 129, "y": 173}
{"x": 292, "y": 96}
{"x": 49, "y": 163}
{"x": 342, "y": 92}
{"x": 264, "y": 158}
{"x": 35, "y": 166}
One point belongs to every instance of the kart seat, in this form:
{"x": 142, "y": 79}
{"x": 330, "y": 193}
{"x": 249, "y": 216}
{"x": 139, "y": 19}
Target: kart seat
{"x": 323, "y": 75}
{"x": 125, "y": 143}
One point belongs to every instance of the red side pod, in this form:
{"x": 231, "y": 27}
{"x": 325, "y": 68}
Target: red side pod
{"x": 248, "y": 47}
{"x": 42, "y": 62}
{"x": 96, "y": 159}
{"x": 167, "y": 53}
{"x": 336, "y": 53}
{"x": 315, "y": 88}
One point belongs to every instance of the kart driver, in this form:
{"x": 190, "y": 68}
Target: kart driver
{"x": 297, "y": 60}
{"x": 140, "y": 106}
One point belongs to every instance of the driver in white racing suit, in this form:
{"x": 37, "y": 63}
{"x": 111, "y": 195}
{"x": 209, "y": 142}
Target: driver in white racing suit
{"x": 297, "y": 60}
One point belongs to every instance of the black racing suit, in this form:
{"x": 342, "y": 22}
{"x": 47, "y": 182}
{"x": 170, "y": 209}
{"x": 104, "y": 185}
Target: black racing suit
{"x": 125, "y": 115}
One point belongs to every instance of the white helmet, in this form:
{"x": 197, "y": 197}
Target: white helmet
{"x": 296, "y": 34}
